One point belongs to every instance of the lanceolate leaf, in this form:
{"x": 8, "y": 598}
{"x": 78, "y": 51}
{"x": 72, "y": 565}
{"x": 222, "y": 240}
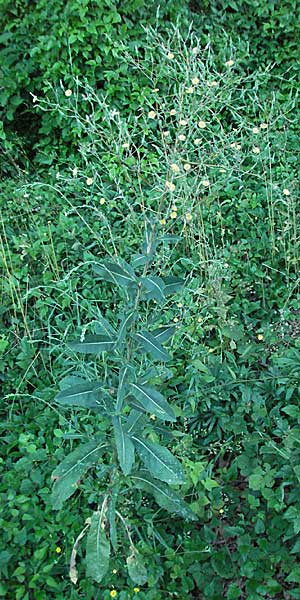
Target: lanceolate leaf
{"x": 125, "y": 447}
{"x": 159, "y": 461}
{"x": 97, "y": 549}
{"x": 152, "y": 345}
{"x": 103, "y": 326}
{"x": 125, "y": 373}
{"x": 162, "y": 334}
{"x": 68, "y": 474}
{"x": 172, "y": 285}
{"x": 163, "y": 494}
{"x": 155, "y": 287}
{"x": 153, "y": 402}
{"x": 93, "y": 344}
{"x": 82, "y": 394}
{"x": 124, "y": 325}
{"x": 112, "y": 272}
{"x": 135, "y": 422}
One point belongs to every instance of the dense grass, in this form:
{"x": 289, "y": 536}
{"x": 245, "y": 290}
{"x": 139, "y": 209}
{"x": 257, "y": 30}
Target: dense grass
{"x": 223, "y": 180}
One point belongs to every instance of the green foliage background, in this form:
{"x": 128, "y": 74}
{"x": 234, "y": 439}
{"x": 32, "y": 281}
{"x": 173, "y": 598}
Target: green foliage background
{"x": 235, "y": 371}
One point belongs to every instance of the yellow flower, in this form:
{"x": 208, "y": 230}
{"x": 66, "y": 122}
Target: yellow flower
{"x": 151, "y": 114}
{"x": 173, "y": 214}
{"x": 197, "y": 141}
{"x": 170, "y": 186}
{"x": 113, "y": 593}
{"x": 212, "y": 83}
{"x": 172, "y": 112}
{"x": 205, "y": 182}
{"x": 153, "y": 417}
{"x": 114, "y": 571}
{"x": 238, "y": 146}
{"x": 264, "y": 126}
{"x": 175, "y": 168}
{"x": 156, "y": 90}
{"x": 166, "y": 133}
{"x": 162, "y": 221}
{"x": 189, "y": 90}
{"x": 75, "y": 171}
{"x": 136, "y": 590}
{"x": 255, "y": 130}
{"x": 180, "y": 305}
{"x": 188, "y": 217}
{"x": 182, "y": 122}
{"x": 199, "y": 319}
{"x": 68, "y": 93}
{"x": 58, "y": 549}
{"x": 170, "y": 55}
{"x": 229, "y": 63}
{"x": 126, "y": 145}
{"x": 195, "y": 50}
{"x": 222, "y": 170}
{"x": 256, "y": 150}
{"x": 182, "y": 137}
{"x": 175, "y": 320}
{"x": 102, "y": 201}
{"x": 187, "y": 167}
{"x": 195, "y": 81}
{"x": 286, "y": 192}
{"x": 89, "y": 181}
{"x": 202, "y": 124}
{"x": 232, "y": 145}
{"x": 260, "y": 337}
{"x": 221, "y": 511}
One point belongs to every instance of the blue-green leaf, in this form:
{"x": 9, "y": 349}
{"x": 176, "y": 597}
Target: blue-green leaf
{"x": 93, "y": 344}
{"x": 125, "y": 373}
{"x": 97, "y": 549}
{"x": 136, "y": 568}
{"x": 159, "y": 461}
{"x": 125, "y": 447}
{"x": 124, "y": 325}
{"x": 153, "y": 402}
{"x": 103, "y": 326}
{"x": 172, "y": 285}
{"x": 115, "y": 274}
{"x": 68, "y": 474}
{"x": 155, "y": 287}
{"x": 135, "y": 422}
{"x": 83, "y": 394}
{"x": 163, "y": 494}
{"x": 163, "y": 334}
{"x": 152, "y": 345}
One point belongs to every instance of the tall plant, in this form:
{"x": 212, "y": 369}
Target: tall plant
{"x": 128, "y": 455}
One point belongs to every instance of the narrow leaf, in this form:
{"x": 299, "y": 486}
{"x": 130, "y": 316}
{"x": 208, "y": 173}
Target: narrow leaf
{"x": 97, "y": 549}
{"x": 125, "y": 447}
{"x": 159, "y": 461}
{"x": 172, "y": 285}
{"x": 155, "y": 287}
{"x": 135, "y": 422}
{"x": 104, "y": 327}
{"x": 163, "y": 334}
{"x": 93, "y": 344}
{"x": 111, "y": 516}
{"x": 152, "y": 345}
{"x": 83, "y": 394}
{"x": 114, "y": 273}
{"x": 124, "y": 374}
{"x": 68, "y": 474}
{"x": 153, "y": 402}
{"x": 124, "y": 325}
{"x": 164, "y": 495}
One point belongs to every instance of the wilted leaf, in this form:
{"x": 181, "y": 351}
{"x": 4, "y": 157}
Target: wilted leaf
{"x": 97, "y": 549}
{"x": 136, "y": 568}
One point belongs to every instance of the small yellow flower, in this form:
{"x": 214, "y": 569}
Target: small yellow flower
{"x": 58, "y": 549}
{"x": 151, "y": 114}
{"x": 174, "y": 208}
{"x": 180, "y": 305}
{"x": 102, "y": 201}
{"x": 182, "y": 137}
{"x": 286, "y": 192}
{"x": 189, "y": 90}
{"x": 205, "y": 183}
{"x": 238, "y": 146}
{"x": 232, "y": 145}
{"x": 165, "y": 133}
{"x": 260, "y": 337}
{"x": 75, "y": 171}
{"x": 182, "y": 122}
{"x": 153, "y": 417}
{"x": 170, "y": 186}
{"x": 68, "y": 93}
{"x": 175, "y": 320}
{"x": 199, "y": 319}
{"x": 172, "y": 112}
{"x": 188, "y": 217}
{"x": 187, "y": 167}
{"x": 136, "y": 590}
{"x": 57, "y": 175}
{"x": 256, "y": 150}
{"x": 222, "y": 170}
{"x": 126, "y": 145}
{"x": 170, "y": 55}
{"x": 229, "y": 63}
{"x": 255, "y": 130}
{"x": 113, "y": 593}
{"x": 114, "y": 571}
{"x": 264, "y": 126}
{"x": 212, "y": 83}
{"x": 197, "y": 141}
{"x": 221, "y": 511}
{"x": 195, "y": 81}
{"x": 162, "y": 221}
{"x": 156, "y": 90}
{"x": 174, "y": 168}
{"x": 173, "y": 214}
{"x": 202, "y": 124}
{"x": 195, "y": 50}
{"x": 89, "y": 181}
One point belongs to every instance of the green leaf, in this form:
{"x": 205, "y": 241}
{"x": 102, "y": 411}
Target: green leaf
{"x": 93, "y": 344}
{"x": 104, "y": 327}
{"x": 159, "y": 461}
{"x": 111, "y": 516}
{"x": 83, "y": 394}
{"x": 115, "y": 274}
{"x": 125, "y": 447}
{"x": 97, "y": 549}
{"x": 172, "y": 285}
{"x": 68, "y": 474}
{"x": 124, "y": 325}
{"x": 135, "y": 422}
{"x": 136, "y": 568}
{"x": 163, "y": 334}
{"x": 153, "y": 402}
{"x": 124, "y": 375}
{"x": 152, "y": 345}
{"x": 155, "y": 286}
{"x": 164, "y": 495}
